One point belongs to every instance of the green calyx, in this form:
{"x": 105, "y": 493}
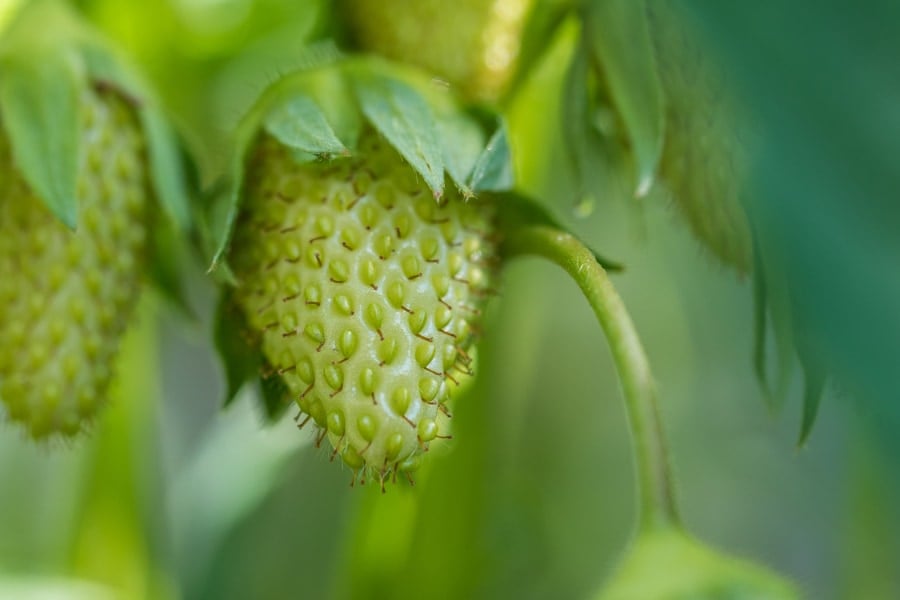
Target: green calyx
{"x": 320, "y": 113}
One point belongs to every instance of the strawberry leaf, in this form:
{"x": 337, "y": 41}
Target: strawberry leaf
{"x": 320, "y": 112}
{"x": 493, "y": 171}
{"x": 814, "y": 387}
{"x": 39, "y": 107}
{"x": 326, "y": 89}
{"x": 824, "y": 182}
{"x": 621, "y": 48}
{"x": 166, "y": 165}
{"x": 463, "y": 142}
{"x": 299, "y": 123}
{"x": 401, "y": 115}
{"x": 584, "y": 144}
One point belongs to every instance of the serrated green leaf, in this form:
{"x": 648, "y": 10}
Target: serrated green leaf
{"x": 39, "y": 100}
{"x": 814, "y": 387}
{"x": 622, "y": 50}
{"x": 824, "y": 180}
{"x": 462, "y": 141}
{"x": 760, "y": 325}
{"x": 771, "y": 283}
{"x": 330, "y": 90}
{"x": 216, "y": 215}
{"x": 401, "y": 115}
{"x": 299, "y": 123}
{"x": 493, "y": 171}
{"x": 583, "y": 143}
{"x": 240, "y": 360}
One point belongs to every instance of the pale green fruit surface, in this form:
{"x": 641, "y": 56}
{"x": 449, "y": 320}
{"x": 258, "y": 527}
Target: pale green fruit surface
{"x": 364, "y": 293}
{"x": 66, "y": 296}
{"x": 473, "y": 44}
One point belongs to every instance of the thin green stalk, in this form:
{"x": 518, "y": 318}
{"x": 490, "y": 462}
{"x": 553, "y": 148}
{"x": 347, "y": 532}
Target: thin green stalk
{"x": 657, "y": 500}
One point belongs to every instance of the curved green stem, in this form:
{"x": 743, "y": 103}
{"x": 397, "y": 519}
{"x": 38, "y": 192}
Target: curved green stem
{"x": 657, "y": 500}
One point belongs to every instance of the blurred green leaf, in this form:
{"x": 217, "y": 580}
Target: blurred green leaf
{"x": 824, "y": 90}
{"x": 166, "y": 164}
{"x": 39, "y": 100}
{"x": 669, "y": 565}
{"x": 584, "y": 144}
{"x": 617, "y": 34}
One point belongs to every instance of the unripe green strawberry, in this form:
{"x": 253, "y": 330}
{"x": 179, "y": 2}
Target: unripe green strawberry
{"x": 66, "y": 296}
{"x": 474, "y": 44}
{"x": 364, "y": 292}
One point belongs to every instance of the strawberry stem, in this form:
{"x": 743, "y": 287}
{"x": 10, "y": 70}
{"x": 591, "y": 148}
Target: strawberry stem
{"x": 654, "y": 477}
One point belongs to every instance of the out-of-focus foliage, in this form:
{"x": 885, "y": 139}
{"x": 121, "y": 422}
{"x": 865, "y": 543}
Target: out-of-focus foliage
{"x": 824, "y": 91}
{"x": 704, "y": 153}
{"x": 667, "y": 564}
{"x": 211, "y": 59}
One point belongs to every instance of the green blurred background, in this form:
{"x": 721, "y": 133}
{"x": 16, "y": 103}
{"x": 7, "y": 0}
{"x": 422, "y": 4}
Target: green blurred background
{"x": 174, "y": 498}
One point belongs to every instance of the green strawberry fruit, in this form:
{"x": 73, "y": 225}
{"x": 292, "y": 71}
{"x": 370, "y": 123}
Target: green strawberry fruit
{"x": 474, "y": 44}
{"x": 66, "y": 296}
{"x": 364, "y": 293}
{"x": 703, "y": 160}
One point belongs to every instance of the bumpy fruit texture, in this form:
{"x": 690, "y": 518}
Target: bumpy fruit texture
{"x": 66, "y": 296}
{"x": 364, "y": 293}
{"x": 702, "y": 162}
{"x": 473, "y": 44}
